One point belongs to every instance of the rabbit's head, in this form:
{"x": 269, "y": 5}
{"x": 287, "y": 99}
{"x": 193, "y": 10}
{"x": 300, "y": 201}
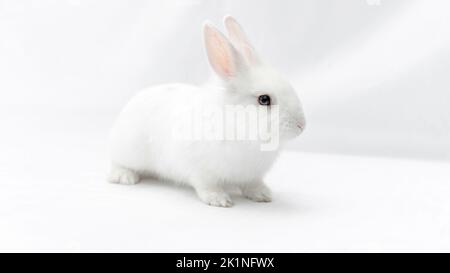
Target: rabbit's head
{"x": 250, "y": 81}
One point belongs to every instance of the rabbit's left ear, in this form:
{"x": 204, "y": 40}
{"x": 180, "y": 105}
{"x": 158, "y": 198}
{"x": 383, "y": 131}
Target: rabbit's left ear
{"x": 223, "y": 57}
{"x": 240, "y": 40}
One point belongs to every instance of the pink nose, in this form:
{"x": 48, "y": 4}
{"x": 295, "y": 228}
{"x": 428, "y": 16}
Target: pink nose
{"x": 301, "y": 124}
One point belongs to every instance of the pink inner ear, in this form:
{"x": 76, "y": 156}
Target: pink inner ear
{"x": 219, "y": 54}
{"x": 240, "y": 40}
{"x": 248, "y": 54}
{"x": 236, "y": 32}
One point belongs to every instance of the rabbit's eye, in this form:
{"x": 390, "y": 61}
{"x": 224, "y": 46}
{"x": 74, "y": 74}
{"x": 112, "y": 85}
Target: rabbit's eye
{"x": 264, "y": 100}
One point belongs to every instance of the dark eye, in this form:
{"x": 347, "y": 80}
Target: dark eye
{"x": 264, "y": 100}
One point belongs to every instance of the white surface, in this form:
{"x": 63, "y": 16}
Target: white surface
{"x": 53, "y": 197}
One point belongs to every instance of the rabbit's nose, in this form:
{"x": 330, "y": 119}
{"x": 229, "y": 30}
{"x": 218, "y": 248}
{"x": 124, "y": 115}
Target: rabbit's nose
{"x": 301, "y": 124}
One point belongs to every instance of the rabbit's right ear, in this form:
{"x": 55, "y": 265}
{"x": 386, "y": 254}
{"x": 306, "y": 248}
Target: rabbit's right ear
{"x": 240, "y": 40}
{"x": 223, "y": 57}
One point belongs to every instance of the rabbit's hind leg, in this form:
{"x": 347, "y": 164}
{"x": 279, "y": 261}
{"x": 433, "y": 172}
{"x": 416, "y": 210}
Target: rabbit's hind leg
{"x": 124, "y": 176}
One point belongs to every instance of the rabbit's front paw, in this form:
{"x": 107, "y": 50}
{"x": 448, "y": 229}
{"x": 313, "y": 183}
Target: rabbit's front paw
{"x": 123, "y": 176}
{"x": 215, "y": 198}
{"x": 257, "y": 192}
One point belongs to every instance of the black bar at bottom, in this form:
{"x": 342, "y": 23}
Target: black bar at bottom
{"x": 226, "y": 262}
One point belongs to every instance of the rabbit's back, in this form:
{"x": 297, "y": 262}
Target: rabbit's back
{"x": 140, "y": 138}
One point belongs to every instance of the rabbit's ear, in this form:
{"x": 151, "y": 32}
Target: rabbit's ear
{"x": 223, "y": 57}
{"x": 240, "y": 40}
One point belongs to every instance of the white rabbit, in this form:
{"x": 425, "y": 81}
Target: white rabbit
{"x": 141, "y": 143}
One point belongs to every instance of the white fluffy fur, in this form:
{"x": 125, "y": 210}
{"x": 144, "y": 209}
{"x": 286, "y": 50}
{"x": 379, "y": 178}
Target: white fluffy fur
{"x": 139, "y": 141}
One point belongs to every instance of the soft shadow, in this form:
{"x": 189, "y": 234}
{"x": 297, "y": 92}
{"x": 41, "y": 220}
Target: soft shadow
{"x": 151, "y": 183}
{"x": 280, "y": 204}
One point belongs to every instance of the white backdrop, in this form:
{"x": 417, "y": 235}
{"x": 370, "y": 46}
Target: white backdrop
{"x": 372, "y": 74}
{"x": 371, "y": 171}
